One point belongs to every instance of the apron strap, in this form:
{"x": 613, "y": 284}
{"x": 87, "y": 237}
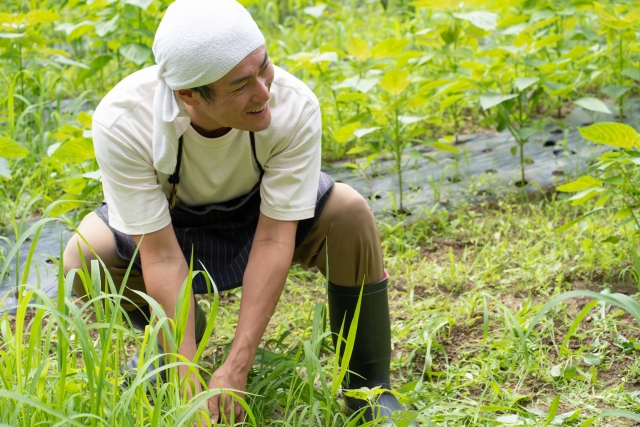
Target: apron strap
{"x": 175, "y": 177}
{"x": 255, "y": 157}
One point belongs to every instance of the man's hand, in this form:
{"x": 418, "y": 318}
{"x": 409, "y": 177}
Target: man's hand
{"x": 222, "y": 406}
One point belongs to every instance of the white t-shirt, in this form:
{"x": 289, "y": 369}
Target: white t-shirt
{"x": 213, "y": 170}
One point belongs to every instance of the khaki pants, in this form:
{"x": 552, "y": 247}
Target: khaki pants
{"x": 346, "y": 229}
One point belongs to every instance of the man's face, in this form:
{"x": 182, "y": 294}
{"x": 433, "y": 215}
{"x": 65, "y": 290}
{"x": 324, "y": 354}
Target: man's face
{"x": 241, "y": 96}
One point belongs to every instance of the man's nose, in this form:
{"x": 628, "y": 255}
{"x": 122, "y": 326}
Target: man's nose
{"x": 262, "y": 91}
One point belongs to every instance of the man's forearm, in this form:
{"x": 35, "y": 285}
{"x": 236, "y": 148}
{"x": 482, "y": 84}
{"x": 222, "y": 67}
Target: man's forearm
{"x": 263, "y": 282}
{"x": 163, "y": 284}
{"x": 164, "y": 272}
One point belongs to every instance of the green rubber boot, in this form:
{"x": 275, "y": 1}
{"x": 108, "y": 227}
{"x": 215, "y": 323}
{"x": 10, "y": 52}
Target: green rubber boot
{"x": 371, "y": 355}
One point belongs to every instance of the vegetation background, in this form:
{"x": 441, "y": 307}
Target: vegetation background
{"x": 484, "y": 330}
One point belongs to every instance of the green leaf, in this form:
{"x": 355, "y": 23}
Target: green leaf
{"x": 522, "y": 83}
{"x": 611, "y": 239}
{"x": 526, "y": 133}
{"x": 403, "y": 418}
{"x": 570, "y": 372}
{"x": 359, "y": 133}
{"x": 576, "y": 322}
{"x": 592, "y": 104}
{"x": 614, "y": 180}
{"x": 40, "y": 16}
{"x": 610, "y": 133}
{"x": 582, "y": 183}
{"x": 351, "y": 96}
{"x": 547, "y": 41}
{"x": 365, "y": 85}
{"x": 388, "y": 48}
{"x": 11, "y": 35}
{"x": 408, "y": 120}
{"x": 135, "y": 52}
{"x": 567, "y": 416}
{"x": 614, "y": 91}
{"x": 450, "y": 100}
{"x": 358, "y": 48}
{"x": 445, "y": 147}
{"x": 315, "y": 11}
{"x": 325, "y": 57}
{"x": 620, "y": 413}
{"x": 96, "y": 65}
{"x": 142, "y": 4}
{"x": 632, "y": 73}
{"x": 622, "y": 214}
{"x": 395, "y": 81}
{"x": 67, "y": 61}
{"x": 490, "y": 100}
{"x": 585, "y": 195}
{"x": 346, "y": 132}
{"x": 591, "y": 359}
{"x": 484, "y": 20}
{"x": 553, "y": 410}
{"x": 355, "y": 150}
{"x": 76, "y": 150}
{"x": 570, "y": 224}
{"x": 105, "y": 27}
{"x": 64, "y": 204}
{"x": 80, "y": 30}
{"x": 10, "y": 148}
{"x": 4, "y": 168}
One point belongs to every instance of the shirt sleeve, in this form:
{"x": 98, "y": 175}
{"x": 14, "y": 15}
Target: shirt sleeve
{"x": 137, "y": 204}
{"x": 290, "y": 183}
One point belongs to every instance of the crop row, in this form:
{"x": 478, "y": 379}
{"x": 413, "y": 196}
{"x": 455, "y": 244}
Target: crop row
{"x": 389, "y": 75}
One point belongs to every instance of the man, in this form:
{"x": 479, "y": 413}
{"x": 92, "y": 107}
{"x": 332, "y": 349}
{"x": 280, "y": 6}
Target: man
{"x": 215, "y": 152}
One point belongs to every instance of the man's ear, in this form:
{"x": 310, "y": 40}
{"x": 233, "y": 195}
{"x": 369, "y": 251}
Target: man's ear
{"x": 188, "y": 97}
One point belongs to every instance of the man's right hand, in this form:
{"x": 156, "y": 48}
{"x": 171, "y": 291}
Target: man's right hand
{"x": 222, "y": 405}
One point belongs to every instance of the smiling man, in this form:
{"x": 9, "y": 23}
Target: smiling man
{"x": 215, "y": 153}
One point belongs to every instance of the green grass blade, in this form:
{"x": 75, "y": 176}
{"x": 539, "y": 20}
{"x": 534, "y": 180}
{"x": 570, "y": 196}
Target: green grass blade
{"x": 553, "y": 410}
{"x": 620, "y": 413}
{"x": 574, "y": 325}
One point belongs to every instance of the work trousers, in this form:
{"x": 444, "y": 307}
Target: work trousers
{"x": 345, "y": 235}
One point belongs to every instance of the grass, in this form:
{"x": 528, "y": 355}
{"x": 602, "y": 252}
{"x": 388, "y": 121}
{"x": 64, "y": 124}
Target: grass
{"x": 466, "y": 285}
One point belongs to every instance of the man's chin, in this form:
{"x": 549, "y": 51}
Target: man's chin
{"x": 261, "y": 126}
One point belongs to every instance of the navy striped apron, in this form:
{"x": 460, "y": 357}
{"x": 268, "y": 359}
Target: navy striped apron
{"x": 220, "y": 234}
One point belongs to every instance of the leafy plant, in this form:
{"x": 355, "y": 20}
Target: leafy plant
{"x": 614, "y": 186}
{"x": 515, "y": 113}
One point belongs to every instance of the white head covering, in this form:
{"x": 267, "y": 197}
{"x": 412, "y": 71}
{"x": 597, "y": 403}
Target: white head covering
{"x": 197, "y": 43}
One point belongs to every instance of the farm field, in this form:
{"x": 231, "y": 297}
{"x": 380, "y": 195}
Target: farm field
{"x": 513, "y": 305}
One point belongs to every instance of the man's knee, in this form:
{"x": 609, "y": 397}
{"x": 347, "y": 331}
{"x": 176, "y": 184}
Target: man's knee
{"x": 71, "y": 255}
{"x": 94, "y": 239}
{"x": 349, "y": 210}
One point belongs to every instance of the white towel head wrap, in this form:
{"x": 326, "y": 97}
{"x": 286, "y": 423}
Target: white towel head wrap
{"x": 197, "y": 43}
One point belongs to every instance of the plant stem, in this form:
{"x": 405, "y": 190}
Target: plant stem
{"x": 398, "y": 156}
{"x": 521, "y": 144}
{"x": 620, "y": 100}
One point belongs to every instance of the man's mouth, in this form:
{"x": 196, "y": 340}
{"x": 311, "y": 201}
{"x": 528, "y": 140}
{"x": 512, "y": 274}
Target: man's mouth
{"x": 259, "y": 110}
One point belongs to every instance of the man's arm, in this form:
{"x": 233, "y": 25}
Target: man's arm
{"x": 264, "y": 279}
{"x": 164, "y": 269}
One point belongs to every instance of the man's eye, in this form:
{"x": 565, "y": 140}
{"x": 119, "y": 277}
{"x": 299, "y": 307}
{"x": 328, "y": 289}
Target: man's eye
{"x": 240, "y": 88}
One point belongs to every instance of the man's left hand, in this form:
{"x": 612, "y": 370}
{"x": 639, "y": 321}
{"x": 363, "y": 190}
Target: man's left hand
{"x": 222, "y": 405}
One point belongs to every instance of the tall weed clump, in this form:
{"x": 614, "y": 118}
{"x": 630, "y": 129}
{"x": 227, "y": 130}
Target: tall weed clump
{"x": 61, "y": 360}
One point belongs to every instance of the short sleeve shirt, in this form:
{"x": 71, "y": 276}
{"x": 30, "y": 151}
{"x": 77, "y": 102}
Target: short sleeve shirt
{"x": 213, "y": 170}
